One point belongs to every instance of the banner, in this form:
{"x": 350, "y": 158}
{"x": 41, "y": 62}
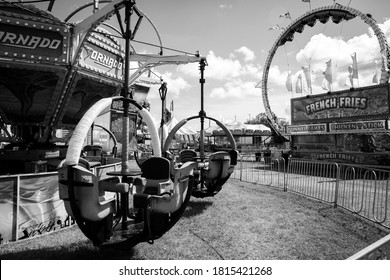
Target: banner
{"x": 30, "y": 206}
{"x": 368, "y": 102}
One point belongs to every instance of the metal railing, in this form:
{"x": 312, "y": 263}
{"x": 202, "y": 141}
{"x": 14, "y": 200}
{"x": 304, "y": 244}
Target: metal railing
{"x": 363, "y": 190}
{"x": 379, "y": 250}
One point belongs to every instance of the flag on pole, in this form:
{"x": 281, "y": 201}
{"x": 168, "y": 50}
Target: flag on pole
{"x": 326, "y": 85}
{"x": 349, "y": 80}
{"x": 306, "y": 71}
{"x": 298, "y": 85}
{"x": 286, "y": 15}
{"x": 289, "y": 82}
{"x": 171, "y": 106}
{"x": 375, "y": 79}
{"x": 307, "y": 1}
{"x": 328, "y": 72}
{"x": 385, "y": 61}
{"x": 275, "y": 27}
{"x": 354, "y": 66}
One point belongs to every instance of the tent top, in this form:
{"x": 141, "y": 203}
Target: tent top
{"x": 183, "y": 130}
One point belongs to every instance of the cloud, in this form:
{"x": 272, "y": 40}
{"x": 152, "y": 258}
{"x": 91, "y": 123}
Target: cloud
{"x": 219, "y": 68}
{"x": 226, "y": 6}
{"x": 320, "y": 48}
{"x": 236, "y": 89}
{"x": 176, "y": 86}
{"x": 276, "y": 76}
{"x": 249, "y": 55}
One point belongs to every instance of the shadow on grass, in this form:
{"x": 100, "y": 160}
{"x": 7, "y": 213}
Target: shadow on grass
{"x": 77, "y": 251}
{"x": 196, "y": 207}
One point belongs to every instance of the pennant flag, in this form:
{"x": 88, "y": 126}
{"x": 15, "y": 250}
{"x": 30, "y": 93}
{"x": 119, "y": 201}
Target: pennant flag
{"x": 171, "y": 107}
{"x": 349, "y": 80}
{"x": 326, "y": 85}
{"x": 275, "y": 27}
{"x": 306, "y": 71}
{"x": 328, "y": 72}
{"x": 298, "y": 85}
{"x": 384, "y": 61}
{"x": 354, "y": 66}
{"x": 286, "y": 15}
{"x": 375, "y": 79}
{"x": 289, "y": 82}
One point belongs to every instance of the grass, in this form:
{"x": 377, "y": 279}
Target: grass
{"x": 244, "y": 221}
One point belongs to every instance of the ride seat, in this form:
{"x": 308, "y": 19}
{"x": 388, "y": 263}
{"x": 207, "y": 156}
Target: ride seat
{"x": 113, "y": 184}
{"x": 218, "y": 168}
{"x": 187, "y": 155}
{"x": 233, "y": 157}
{"x": 93, "y": 150}
{"x": 93, "y": 153}
{"x": 169, "y": 198}
{"x": 155, "y": 176}
{"x": 92, "y": 204}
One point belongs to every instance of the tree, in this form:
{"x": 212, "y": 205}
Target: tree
{"x": 262, "y": 118}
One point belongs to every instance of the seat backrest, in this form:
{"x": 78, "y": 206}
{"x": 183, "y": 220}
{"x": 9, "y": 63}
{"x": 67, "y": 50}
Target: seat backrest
{"x": 233, "y": 157}
{"x": 93, "y": 206}
{"x": 156, "y": 168}
{"x": 219, "y": 163}
{"x": 93, "y": 150}
{"x": 187, "y": 155}
{"x": 155, "y": 174}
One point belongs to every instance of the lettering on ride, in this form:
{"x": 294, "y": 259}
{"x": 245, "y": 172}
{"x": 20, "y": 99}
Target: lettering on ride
{"x": 45, "y": 227}
{"x": 106, "y": 60}
{"x": 27, "y": 41}
{"x": 334, "y": 102}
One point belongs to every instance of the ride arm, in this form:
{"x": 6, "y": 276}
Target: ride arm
{"x": 150, "y": 61}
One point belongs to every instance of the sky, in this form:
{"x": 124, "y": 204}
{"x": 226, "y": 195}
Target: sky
{"x": 235, "y": 38}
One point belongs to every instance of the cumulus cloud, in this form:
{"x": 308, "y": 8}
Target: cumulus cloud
{"x": 320, "y": 48}
{"x": 226, "y": 6}
{"x": 219, "y": 68}
{"x": 236, "y": 88}
{"x": 249, "y": 55}
{"x": 176, "y": 86}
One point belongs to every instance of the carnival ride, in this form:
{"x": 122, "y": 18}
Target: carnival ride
{"x": 60, "y": 75}
{"x": 213, "y": 170}
{"x": 337, "y": 13}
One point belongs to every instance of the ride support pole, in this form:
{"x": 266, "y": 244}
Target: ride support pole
{"x": 125, "y": 90}
{"x": 202, "y": 113}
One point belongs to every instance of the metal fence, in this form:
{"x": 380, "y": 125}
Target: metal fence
{"x": 360, "y": 189}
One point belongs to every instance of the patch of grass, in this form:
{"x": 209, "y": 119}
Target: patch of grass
{"x": 243, "y": 221}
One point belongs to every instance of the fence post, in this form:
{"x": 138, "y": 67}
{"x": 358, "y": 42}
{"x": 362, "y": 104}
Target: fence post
{"x": 286, "y": 172}
{"x": 241, "y": 167}
{"x": 15, "y": 216}
{"x": 336, "y": 195}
